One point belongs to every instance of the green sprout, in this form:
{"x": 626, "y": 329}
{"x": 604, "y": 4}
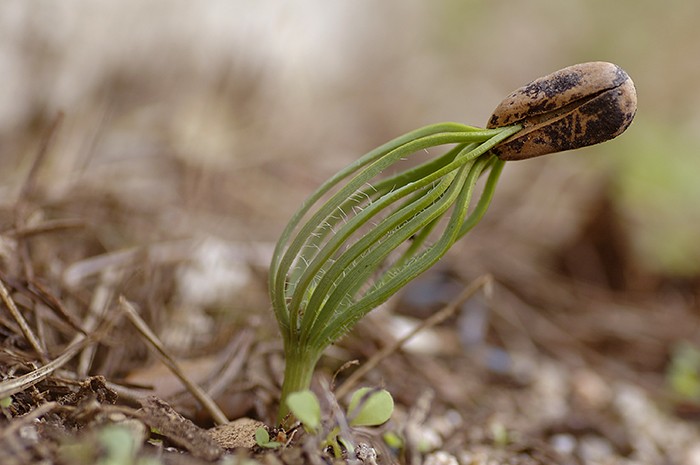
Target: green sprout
{"x": 370, "y": 407}
{"x": 330, "y": 270}
{"x": 367, "y": 407}
{"x": 373, "y": 227}
{"x": 113, "y": 444}
{"x": 262, "y": 439}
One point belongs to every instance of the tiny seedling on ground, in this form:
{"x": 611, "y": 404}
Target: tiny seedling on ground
{"x": 262, "y": 439}
{"x": 367, "y": 407}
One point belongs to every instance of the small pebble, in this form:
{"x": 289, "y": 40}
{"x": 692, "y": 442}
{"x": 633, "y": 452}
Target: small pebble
{"x": 239, "y": 433}
{"x": 366, "y": 454}
{"x": 565, "y": 444}
{"x": 440, "y": 458}
{"x": 595, "y": 449}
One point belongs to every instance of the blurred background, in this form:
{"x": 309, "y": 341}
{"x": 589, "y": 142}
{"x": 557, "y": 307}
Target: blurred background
{"x": 221, "y": 116}
{"x": 211, "y": 121}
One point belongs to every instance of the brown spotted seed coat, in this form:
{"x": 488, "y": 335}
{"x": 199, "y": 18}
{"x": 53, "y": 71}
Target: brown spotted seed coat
{"x": 581, "y": 105}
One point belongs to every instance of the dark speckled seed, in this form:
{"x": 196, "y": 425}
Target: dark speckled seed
{"x": 581, "y": 105}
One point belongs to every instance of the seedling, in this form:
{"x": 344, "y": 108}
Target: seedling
{"x": 262, "y": 439}
{"x": 367, "y": 407}
{"x": 362, "y": 236}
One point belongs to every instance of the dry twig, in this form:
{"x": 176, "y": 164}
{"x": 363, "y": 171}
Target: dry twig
{"x": 19, "y": 319}
{"x": 435, "y": 319}
{"x": 141, "y": 326}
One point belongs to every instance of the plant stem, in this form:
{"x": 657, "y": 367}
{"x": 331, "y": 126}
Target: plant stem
{"x": 298, "y": 371}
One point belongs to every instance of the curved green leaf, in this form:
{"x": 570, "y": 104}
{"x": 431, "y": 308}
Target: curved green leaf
{"x": 304, "y": 405}
{"x": 370, "y": 407}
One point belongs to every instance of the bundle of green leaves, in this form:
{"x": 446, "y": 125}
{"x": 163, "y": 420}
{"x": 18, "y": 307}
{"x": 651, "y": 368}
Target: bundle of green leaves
{"x": 363, "y": 235}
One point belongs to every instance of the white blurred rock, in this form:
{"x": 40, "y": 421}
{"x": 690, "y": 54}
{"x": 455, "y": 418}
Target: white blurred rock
{"x": 440, "y": 458}
{"x": 214, "y": 274}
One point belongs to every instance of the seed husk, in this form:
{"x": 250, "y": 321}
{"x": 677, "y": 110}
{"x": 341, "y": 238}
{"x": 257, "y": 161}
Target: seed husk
{"x": 578, "y": 106}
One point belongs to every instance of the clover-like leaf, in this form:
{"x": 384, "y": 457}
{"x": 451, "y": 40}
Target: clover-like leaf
{"x": 262, "y": 438}
{"x": 304, "y": 405}
{"x": 370, "y": 407}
